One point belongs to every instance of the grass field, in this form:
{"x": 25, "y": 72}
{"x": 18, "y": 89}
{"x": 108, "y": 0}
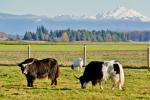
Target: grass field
{"x": 129, "y": 54}
{"x": 74, "y": 47}
{"x": 133, "y": 56}
{"x": 13, "y": 87}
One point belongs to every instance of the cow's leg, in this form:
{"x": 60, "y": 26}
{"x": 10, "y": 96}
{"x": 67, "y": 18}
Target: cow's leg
{"x": 114, "y": 81}
{"x": 81, "y": 68}
{"x": 119, "y": 85}
{"x": 113, "y": 86}
{"x": 75, "y": 67}
{"x": 52, "y": 79}
{"x": 29, "y": 82}
{"x": 78, "y": 68}
{"x": 101, "y": 84}
{"x": 52, "y": 82}
{"x": 55, "y": 81}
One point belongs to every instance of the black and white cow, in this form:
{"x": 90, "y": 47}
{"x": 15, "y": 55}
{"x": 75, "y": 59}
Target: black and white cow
{"x": 100, "y": 71}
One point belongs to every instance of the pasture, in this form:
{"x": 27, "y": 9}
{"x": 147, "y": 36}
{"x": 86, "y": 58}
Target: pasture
{"x": 13, "y": 87}
{"x": 133, "y": 56}
{"x": 129, "y": 54}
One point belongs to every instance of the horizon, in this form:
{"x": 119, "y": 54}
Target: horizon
{"x": 68, "y": 7}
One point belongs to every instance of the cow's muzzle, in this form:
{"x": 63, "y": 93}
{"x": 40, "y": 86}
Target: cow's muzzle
{"x": 25, "y": 72}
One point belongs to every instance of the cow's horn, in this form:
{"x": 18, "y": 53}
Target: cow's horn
{"x": 24, "y": 65}
{"x": 76, "y": 77}
{"x": 31, "y": 62}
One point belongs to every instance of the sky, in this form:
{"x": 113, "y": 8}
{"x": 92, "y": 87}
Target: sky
{"x": 70, "y": 7}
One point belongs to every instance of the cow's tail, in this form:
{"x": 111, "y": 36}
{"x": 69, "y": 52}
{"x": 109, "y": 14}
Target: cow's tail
{"x": 121, "y": 76}
{"x": 58, "y": 71}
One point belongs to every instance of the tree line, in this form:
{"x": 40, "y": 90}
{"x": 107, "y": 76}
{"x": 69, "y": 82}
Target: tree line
{"x": 69, "y": 35}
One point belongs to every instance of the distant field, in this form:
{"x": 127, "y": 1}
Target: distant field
{"x": 129, "y": 54}
{"x": 74, "y": 47}
{"x": 13, "y": 87}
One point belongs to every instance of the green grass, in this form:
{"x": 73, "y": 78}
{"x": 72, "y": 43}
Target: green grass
{"x": 13, "y": 87}
{"x": 129, "y": 54}
{"x": 73, "y": 47}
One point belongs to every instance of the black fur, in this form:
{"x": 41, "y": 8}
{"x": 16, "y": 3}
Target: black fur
{"x": 93, "y": 73}
{"x": 116, "y": 68}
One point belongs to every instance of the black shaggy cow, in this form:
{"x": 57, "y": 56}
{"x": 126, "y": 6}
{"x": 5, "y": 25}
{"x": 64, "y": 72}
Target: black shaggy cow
{"x": 97, "y": 71}
{"x": 34, "y": 68}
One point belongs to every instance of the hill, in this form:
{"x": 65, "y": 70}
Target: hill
{"x": 3, "y": 36}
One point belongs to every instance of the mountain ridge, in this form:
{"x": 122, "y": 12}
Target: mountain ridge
{"x": 119, "y": 19}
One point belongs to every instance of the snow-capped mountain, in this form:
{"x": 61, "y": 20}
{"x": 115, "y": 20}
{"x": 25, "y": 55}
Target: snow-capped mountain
{"x": 122, "y": 13}
{"x": 119, "y": 19}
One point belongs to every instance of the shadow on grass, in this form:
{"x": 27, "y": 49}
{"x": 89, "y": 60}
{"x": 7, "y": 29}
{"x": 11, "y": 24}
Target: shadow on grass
{"x": 34, "y": 88}
{"x": 8, "y": 64}
{"x": 61, "y": 89}
{"x": 47, "y": 88}
{"x": 133, "y": 67}
{"x": 10, "y": 86}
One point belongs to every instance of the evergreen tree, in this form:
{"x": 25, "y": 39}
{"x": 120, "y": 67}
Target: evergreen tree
{"x": 81, "y": 35}
{"x": 28, "y": 36}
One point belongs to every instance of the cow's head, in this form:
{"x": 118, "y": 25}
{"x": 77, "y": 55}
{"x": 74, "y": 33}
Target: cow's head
{"x": 80, "y": 59}
{"x": 25, "y": 65}
{"x": 82, "y": 81}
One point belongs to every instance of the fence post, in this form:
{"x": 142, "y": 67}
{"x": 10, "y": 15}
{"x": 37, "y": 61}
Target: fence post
{"x": 84, "y": 55}
{"x": 29, "y": 51}
{"x": 148, "y": 56}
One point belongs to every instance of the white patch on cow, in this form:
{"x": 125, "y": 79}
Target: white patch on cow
{"x": 109, "y": 73}
{"x": 121, "y": 76}
{"x": 25, "y": 71}
{"x": 26, "y": 67}
{"x": 104, "y": 71}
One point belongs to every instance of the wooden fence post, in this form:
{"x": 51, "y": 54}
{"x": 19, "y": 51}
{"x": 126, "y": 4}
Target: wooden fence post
{"x": 148, "y": 56}
{"x": 84, "y": 55}
{"x": 29, "y": 51}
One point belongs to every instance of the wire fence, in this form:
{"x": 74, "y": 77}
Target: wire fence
{"x": 131, "y": 58}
